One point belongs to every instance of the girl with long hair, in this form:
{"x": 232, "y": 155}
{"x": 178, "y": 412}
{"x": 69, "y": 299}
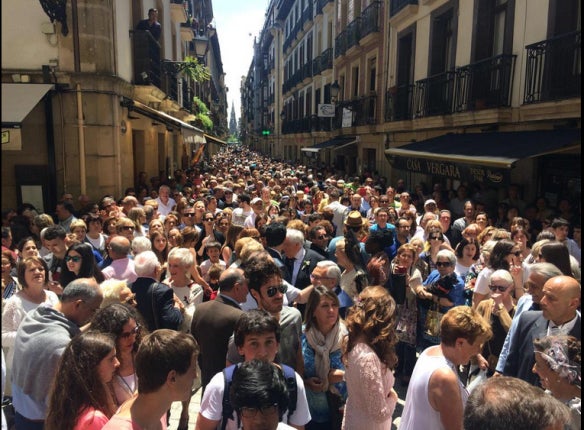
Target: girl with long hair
{"x": 125, "y": 325}
{"x": 369, "y": 356}
{"x": 79, "y": 398}
{"x": 79, "y": 262}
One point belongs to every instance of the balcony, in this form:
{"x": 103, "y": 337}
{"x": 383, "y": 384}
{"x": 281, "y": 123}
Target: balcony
{"x": 363, "y": 109}
{"x": 353, "y": 33}
{"x": 146, "y": 52}
{"x": 434, "y": 95}
{"x": 484, "y": 84}
{"x": 399, "y": 102}
{"x": 320, "y": 4}
{"x": 396, "y": 5}
{"x": 370, "y": 19}
{"x": 178, "y": 11}
{"x": 307, "y": 70}
{"x": 326, "y": 59}
{"x": 341, "y": 44}
{"x": 553, "y": 69}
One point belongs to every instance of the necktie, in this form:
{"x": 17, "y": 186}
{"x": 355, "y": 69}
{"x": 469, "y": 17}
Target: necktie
{"x": 290, "y": 264}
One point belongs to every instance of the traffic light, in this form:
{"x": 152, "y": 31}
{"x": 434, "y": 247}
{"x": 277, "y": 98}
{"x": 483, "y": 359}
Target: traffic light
{"x": 265, "y": 132}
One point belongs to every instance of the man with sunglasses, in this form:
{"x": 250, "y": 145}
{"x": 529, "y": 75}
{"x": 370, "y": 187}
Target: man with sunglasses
{"x": 319, "y": 240}
{"x": 267, "y": 288}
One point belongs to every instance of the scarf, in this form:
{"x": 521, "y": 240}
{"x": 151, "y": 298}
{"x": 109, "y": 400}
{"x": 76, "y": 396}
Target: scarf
{"x": 323, "y": 346}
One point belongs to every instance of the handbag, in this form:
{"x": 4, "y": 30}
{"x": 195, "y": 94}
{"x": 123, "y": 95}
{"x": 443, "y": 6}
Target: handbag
{"x": 433, "y": 318}
{"x": 406, "y": 324}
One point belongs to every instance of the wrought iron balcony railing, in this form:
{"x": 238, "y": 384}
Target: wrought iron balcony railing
{"x": 399, "y": 102}
{"x": 370, "y": 19}
{"x": 553, "y": 69}
{"x": 434, "y": 95}
{"x": 484, "y": 84}
{"x": 396, "y": 5}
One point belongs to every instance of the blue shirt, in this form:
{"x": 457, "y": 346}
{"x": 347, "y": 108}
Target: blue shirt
{"x": 317, "y": 402}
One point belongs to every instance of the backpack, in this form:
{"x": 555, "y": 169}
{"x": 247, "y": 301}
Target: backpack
{"x": 228, "y": 372}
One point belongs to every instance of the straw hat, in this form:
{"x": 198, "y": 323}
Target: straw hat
{"x": 354, "y": 219}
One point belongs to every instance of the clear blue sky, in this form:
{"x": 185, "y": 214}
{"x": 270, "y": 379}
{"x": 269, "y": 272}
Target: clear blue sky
{"x": 237, "y": 22}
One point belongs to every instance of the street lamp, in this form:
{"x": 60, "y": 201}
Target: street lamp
{"x": 201, "y": 44}
{"x": 335, "y": 88}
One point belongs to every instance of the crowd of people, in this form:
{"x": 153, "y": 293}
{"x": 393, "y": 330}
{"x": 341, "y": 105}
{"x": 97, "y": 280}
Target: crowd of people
{"x": 303, "y": 296}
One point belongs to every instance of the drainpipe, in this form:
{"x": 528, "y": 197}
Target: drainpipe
{"x": 80, "y": 131}
{"x": 117, "y": 146}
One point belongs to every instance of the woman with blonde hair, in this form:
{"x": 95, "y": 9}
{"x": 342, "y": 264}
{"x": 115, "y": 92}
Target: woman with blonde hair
{"x": 116, "y": 291}
{"x": 138, "y": 217}
{"x": 498, "y": 310}
{"x": 370, "y": 358}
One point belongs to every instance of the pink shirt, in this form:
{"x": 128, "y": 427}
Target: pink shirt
{"x": 122, "y": 269}
{"x": 91, "y": 419}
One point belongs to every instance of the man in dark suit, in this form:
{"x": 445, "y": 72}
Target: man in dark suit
{"x": 157, "y": 303}
{"x": 213, "y": 322}
{"x": 558, "y": 316}
{"x": 299, "y": 260}
{"x": 275, "y": 236}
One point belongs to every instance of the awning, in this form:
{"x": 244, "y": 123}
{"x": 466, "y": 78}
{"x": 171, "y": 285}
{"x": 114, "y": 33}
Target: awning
{"x": 19, "y": 99}
{"x": 336, "y": 143}
{"x": 213, "y": 139}
{"x": 190, "y": 133}
{"x": 483, "y": 157}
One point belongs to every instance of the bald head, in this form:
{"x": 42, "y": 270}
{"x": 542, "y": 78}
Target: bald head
{"x": 561, "y": 299}
{"x": 119, "y": 247}
{"x": 232, "y": 283}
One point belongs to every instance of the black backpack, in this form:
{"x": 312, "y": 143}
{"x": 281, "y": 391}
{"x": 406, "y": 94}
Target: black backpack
{"x": 228, "y": 372}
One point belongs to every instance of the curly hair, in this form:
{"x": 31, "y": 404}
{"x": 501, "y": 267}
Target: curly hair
{"x": 259, "y": 270}
{"x": 373, "y": 318}
{"x": 112, "y": 319}
{"x": 77, "y": 384}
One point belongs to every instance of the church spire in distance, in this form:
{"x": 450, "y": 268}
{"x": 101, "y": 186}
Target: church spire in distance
{"x": 233, "y": 121}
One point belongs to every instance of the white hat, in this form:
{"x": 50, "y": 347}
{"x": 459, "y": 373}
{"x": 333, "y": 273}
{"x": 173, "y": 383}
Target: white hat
{"x": 429, "y": 202}
{"x": 256, "y": 200}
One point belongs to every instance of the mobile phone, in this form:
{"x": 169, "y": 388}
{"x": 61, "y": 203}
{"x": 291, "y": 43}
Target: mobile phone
{"x": 400, "y": 270}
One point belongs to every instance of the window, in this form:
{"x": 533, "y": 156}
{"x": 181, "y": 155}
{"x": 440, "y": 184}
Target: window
{"x": 355, "y": 74}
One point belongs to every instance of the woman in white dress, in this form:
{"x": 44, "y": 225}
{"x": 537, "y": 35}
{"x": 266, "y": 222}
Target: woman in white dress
{"x": 33, "y": 275}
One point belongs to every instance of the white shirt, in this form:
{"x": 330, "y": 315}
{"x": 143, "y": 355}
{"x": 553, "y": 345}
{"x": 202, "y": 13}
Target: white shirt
{"x": 212, "y": 403}
{"x": 164, "y": 209}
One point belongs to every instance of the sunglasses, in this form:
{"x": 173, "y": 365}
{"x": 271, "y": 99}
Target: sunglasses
{"x": 127, "y": 227}
{"x": 190, "y": 214}
{"x": 73, "y": 259}
{"x": 442, "y": 263}
{"x": 500, "y": 288}
{"x": 265, "y": 411}
{"x": 383, "y": 201}
{"x": 209, "y": 219}
{"x": 319, "y": 278}
{"x": 132, "y": 332}
{"x": 272, "y": 291}
{"x": 435, "y": 238}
